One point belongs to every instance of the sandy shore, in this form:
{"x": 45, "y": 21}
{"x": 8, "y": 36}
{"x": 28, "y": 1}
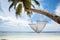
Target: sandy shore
{"x": 31, "y": 38}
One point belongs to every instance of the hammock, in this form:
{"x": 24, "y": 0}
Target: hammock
{"x": 38, "y": 27}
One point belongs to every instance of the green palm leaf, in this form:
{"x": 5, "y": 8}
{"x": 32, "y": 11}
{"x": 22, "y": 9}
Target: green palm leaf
{"x": 11, "y": 0}
{"x": 10, "y": 6}
{"x": 14, "y": 3}
{"x": 19, "y": 9}
{"x": 27, "y": 4}
{"x": 37, "y": 2}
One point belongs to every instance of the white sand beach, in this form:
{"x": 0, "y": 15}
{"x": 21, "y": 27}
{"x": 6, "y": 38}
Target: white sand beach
{"x": 31, "y": 37}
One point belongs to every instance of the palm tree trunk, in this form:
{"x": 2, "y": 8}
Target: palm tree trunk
{"x": 54, "y": 17}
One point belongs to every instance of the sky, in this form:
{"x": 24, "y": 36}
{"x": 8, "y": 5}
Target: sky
{"x": 8, "y": 21}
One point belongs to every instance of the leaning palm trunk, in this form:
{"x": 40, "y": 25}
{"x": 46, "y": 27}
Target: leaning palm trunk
{"x": 52, "y": 16}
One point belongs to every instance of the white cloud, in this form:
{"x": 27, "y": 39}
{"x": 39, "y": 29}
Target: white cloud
{"x": 57, "y": 10}
{"x": 12, "y": 24}
{"x": 14, "y": 20}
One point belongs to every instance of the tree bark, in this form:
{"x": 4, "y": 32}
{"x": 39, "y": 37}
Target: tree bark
{"x": 54, "y": 17}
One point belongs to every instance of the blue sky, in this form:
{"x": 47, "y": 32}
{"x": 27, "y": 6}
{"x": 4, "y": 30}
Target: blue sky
{"x": 8, "y": 22}
{"x": 0, "y": 7}
{"x": 50, "y": 5}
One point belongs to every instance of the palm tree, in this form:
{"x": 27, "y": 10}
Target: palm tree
{"x": 27, "y": 4}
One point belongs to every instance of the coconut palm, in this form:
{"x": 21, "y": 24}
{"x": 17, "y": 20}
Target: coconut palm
{"x": 27, "y": 4}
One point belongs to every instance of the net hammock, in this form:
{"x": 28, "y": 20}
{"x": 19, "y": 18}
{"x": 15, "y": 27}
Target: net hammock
{"x": 39, "y": 26}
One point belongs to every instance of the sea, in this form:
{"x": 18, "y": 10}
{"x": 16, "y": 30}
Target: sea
{"x": 52, "y": 35}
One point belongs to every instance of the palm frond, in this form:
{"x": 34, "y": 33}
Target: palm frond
{"x": 10, "y": 0}
{"x": 19, "y": 9}
{"x": 10, "y": 6}
{"x": 14, "y": 3}
{"x": 37, "y": 2}
{"x": 27, "y": 4}
{"x": 29, "y": 13}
